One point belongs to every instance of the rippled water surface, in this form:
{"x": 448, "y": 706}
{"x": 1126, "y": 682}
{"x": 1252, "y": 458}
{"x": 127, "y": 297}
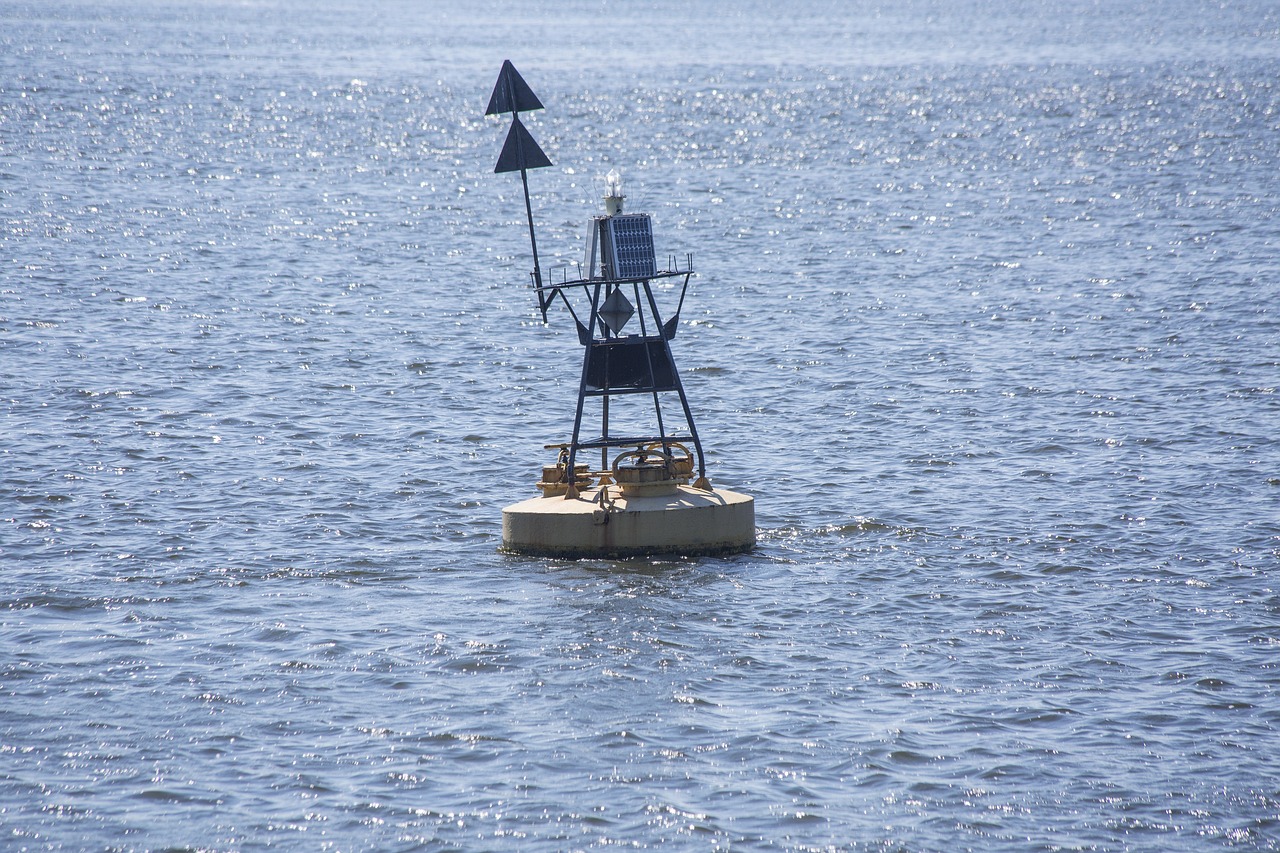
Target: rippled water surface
{"x": 986, "y": 320}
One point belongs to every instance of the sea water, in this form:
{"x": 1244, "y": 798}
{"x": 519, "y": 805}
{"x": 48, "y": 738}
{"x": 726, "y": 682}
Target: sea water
{"x": 985, "y": 318}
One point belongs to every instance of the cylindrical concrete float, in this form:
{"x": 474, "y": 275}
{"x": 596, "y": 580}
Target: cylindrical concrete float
{"x": 679, "y": 520}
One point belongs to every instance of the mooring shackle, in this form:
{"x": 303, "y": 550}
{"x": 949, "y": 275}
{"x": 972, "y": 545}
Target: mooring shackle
{"x": 605, "y": 500}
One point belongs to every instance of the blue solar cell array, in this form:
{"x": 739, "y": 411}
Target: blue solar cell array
{"x": 630, "y": 243}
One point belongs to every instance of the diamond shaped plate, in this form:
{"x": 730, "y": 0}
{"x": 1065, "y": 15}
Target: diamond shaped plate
{"x": 616, "y": 311}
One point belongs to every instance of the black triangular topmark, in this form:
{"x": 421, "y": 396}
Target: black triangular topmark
{"x": 520, "y": 151}
{"x": 511, "y": 94}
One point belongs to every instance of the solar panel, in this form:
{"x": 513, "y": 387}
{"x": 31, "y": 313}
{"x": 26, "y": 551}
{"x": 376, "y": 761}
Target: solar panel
{"x": 629, "y": 245}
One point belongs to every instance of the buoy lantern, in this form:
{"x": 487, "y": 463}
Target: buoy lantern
{"x": 652, "y": 496}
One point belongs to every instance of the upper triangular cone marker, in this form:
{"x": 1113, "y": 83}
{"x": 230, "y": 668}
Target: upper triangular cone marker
{"x": 520, "y": 151}
{"x": 511, "y": 94}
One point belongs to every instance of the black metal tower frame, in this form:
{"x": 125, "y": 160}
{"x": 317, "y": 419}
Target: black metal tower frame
{"x": 613, "y": 365}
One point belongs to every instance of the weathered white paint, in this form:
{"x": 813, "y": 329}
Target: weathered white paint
{"x": 687, "y": 521}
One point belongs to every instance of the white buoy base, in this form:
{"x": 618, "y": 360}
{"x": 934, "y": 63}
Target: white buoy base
{"x": 687, "y": 522}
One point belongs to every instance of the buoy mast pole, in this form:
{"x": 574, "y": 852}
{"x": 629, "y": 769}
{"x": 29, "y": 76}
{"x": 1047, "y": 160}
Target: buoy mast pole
{"x": 533, "y": 240}
{"x": 511, "y": 94}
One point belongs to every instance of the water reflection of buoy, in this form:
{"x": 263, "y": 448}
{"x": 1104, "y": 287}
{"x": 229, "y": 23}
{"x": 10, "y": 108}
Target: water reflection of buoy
{"x": 653, "y": 496}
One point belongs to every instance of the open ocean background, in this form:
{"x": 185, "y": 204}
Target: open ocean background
{"x": 987, "y": 319}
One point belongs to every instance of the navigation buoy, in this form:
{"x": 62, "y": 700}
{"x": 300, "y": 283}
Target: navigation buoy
{"x": 653, "y": 496}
